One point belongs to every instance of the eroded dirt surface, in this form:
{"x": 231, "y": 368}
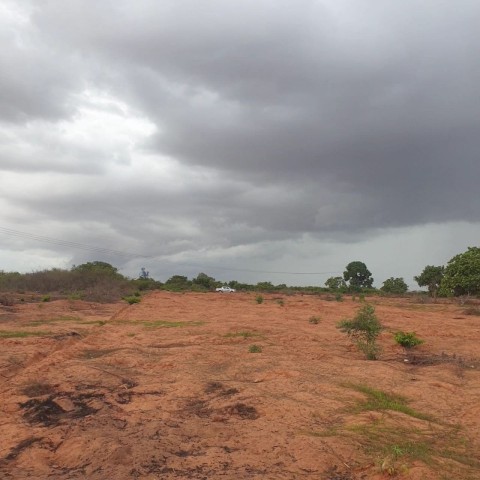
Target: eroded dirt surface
{"x": 167, "y": 389}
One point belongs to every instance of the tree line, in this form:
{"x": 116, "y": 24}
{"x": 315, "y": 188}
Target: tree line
{"x": 100, "y": 281}
{"x": 461, "y": 276}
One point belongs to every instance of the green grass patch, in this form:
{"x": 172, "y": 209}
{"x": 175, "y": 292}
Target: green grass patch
{"x": 100, "y": 323}
{"x": 377, "y": 400}
{"x": 132, "y": 299}
{"x": 394, "y": 447}
{"x": 22, "y": 334}
{"x": 255, "y": 349}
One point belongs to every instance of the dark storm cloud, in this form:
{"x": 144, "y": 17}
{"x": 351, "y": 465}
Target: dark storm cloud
{"x": 330, "y": 118}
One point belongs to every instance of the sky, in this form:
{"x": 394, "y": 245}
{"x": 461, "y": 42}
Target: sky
{"x": 254, "y": 140}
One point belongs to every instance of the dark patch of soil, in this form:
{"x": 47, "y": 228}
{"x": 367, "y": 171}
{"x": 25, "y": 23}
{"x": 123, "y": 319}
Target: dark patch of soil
{"x": 198, "y": 408}
{"x": 37, "y": 389}
{"x": 23, "y": 445}
{"x": 243, "y": 411}
{"x": 64, "y": 336}
{"x": 123, "y": 397}
{"x": 432, "y": 359}
{"x": 334, "y": 473}
{"x": 217, "y": 387}
{"x": 213, "y": 387}
{"x": 49, "y": 413}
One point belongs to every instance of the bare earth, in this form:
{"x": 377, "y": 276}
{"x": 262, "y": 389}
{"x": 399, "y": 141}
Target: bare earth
{"x": 168, "y": 389}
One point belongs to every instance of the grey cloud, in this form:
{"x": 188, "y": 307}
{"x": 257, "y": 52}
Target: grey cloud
{"x": 331, "y": 119}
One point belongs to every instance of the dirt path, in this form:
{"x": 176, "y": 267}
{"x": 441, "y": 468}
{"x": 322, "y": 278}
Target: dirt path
{"x": 168, "y": 389}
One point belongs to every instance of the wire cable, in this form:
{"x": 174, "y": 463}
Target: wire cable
{"x": 108, "y": 251}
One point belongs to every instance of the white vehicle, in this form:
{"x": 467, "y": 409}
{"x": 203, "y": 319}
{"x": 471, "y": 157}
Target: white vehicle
{"x": 225, "y": 289}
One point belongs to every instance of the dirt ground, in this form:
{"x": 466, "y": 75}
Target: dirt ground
{"x": 170, "y": 389}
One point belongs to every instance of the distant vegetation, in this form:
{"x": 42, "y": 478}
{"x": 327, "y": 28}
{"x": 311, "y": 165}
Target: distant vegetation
{"x": 93, "y": 281}
{"x": 394, "y": 285}
{"x": 100, "y": 281}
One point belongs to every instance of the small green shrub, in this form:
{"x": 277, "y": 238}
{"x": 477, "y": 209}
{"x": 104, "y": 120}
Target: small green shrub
{"x": 75, "y": 296}
{"x": 361, "y": 297}
{"x": 259, "y": 299}
{"x": 408, "y": 339}
{"x": 364, "y": 330}
{"x": 314, "y": 320}
{"x": 255, "y": 349}
{"x": 132, "y": 299}
{"x": 338, "y": 297}
{"x": 46, "y": 298}
{"x": 280, "y": 302}
{"x": 137, "y": 294}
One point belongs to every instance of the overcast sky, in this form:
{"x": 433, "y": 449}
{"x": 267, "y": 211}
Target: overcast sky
{"x": 239, "y": 137}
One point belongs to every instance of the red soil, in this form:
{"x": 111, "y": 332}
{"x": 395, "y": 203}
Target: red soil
{"x": 137, "y": 398}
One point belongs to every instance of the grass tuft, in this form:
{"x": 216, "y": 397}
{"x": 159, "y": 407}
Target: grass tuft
{"x": 377, "y": 400}
{"x": 22, "y": 334}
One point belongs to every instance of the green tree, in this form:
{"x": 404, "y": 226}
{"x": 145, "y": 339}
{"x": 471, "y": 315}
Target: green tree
{"x": 358, "y": 276}
{"x": 394, "y": 285}
{"x": 96, "y": 267}
{"x": 205, "y": 281}
{"x": 364, "y": 330}
{"x": 177, "y": 283}
{"x": 336, "y": 283}
{"x": 462, "y": 273}
{"x": 431, "y": 277}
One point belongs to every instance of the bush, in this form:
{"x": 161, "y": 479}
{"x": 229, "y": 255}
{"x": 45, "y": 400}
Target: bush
{"x": 339, "y": 297}
{"x": 314, "y": 320}
{"x": 364, "y": 330}
{"x": 259, "y": 299}
{"x": 408, "y": 339}
{"x": 7, "y": 300}
{"x": 132, "y": 299}
{"x": 255, "y": 349}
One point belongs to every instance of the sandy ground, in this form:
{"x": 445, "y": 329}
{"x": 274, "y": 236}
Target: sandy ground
{"x": 168, "y": 389}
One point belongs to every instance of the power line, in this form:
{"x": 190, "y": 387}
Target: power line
{"x": 109, "y": 251}
{"x": 66, "y": 243}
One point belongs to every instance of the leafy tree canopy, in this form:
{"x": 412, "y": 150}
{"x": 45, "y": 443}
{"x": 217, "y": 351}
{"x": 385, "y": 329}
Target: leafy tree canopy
{"x": 431, "y": 277}
{"x": 462, "y": 273}
{"x": 335, "y": 283}
{"x": 394, "y": 285}
{"x": 358, "y": 275}
{"x": 96, "y": 267}
{"x": 205, "y": 281}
